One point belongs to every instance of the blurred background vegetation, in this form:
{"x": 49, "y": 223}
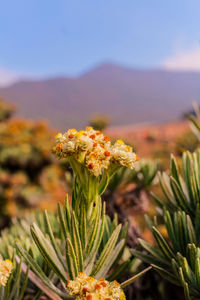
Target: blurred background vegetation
{"x": 29, "y": 175}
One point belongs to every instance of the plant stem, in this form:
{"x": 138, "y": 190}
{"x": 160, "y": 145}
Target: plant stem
{"x": 132, "y": 279}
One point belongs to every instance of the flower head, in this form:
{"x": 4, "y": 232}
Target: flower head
{"x": 6, "y": 267}
{"x": 94, "y": 150}
{"x": 88, "y": 288}
{"x": 123, "y": 154}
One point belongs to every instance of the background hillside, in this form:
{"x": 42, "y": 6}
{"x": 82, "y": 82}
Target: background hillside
{"x": 127, "y": 95}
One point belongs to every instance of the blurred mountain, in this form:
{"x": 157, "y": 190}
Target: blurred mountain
{"x": 127, "y": 95}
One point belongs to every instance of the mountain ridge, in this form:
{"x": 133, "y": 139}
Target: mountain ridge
{"x": 126, "y": 94}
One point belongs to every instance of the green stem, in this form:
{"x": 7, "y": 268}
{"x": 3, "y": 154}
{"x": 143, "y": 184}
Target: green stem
{"x": 132, "y": 279}
{"x": 113, "y": 169}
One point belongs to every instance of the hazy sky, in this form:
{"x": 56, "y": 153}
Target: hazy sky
{"x": 55, "y": 37}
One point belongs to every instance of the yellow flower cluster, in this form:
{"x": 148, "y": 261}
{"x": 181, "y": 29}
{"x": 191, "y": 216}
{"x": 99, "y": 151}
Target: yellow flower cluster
{"x": 6, "y": 267}
{"x": 88, "y": 288}
{"x": 93, "y": 149}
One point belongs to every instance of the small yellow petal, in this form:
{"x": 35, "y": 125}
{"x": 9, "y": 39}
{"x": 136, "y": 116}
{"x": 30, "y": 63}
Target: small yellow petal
{"x": 59, "y": 135}
{"x": 120, "y": 142}
{"x": 72, "y": 130}
{"x": 9, "y": 261}
{"x": 88, "y": 128}
{"x": 128, "y": 148}
{"x": 80, "y": 133}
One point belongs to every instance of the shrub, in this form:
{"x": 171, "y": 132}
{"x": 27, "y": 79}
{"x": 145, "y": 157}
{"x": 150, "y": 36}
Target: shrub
{"x": 176, "y": 257}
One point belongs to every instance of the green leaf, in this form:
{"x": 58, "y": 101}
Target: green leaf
{"x": 191, "y": 231}
{"x": 62, "y": 220}
{"x": 53, "y": 241}
{"x": 180, "y": 197}
{"x": 163, "y": 244}
{"x": 71, "y": 260}
{"x": 170, "y": 229}
{"x": 165, "y": 186}
{"x": 174, "y": 169}
{"x": 83, "y": 227}
{"x": 76, "y": 242}
{"x": 149, "y": 259}
{"x": 188, "y": 274}
{"x": 89, "y": 262}
{"x": 48, "y": 252}
{"x": 67, "y": 213}
{"x": 167, "y": 275}
{"x": 197, "y": 271}
{"x": 104, "y": 182}
{"x": 36, "y": 268}
{"x": 185, "y": 285}
{"x": 110, "y": 260}
{"x": 188, "y": 176}
{"x": 93, "y": 230}
{"x": 107, "y": 250}
{"x": 153, "y": 251}
{"x": 24, "y": 285}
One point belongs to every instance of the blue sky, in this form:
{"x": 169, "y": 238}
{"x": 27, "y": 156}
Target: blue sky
{"x": 42, "y": 38}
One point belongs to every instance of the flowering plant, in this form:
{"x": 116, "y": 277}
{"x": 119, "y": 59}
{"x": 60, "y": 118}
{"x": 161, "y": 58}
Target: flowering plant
{"x": 94, "y": 159}
{"x": 90, "y": 242}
